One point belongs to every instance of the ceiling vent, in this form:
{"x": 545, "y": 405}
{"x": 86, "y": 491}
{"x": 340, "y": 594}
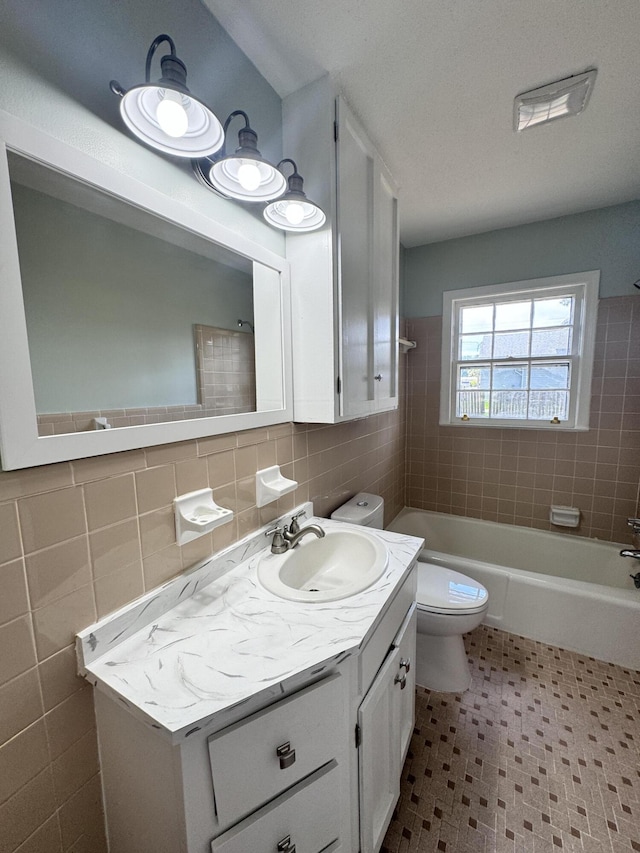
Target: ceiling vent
{"x": 563, "y": 98}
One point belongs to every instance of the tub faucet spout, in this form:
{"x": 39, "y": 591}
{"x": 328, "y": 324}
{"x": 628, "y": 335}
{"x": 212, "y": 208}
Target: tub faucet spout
{"x": 630, "y": 552}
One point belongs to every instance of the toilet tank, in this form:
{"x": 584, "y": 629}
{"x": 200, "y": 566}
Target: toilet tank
{"x": 364, "y": 509}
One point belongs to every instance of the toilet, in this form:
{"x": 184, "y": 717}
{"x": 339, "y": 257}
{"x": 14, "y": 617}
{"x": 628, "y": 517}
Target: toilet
{"x": 364, "y": 509}
{"x": 449, "y": 605}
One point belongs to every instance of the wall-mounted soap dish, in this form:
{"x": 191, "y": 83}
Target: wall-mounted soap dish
{"x": 564, "y": 516}
{"x": 196, "y": 514}
{"x": 271, "y": 485}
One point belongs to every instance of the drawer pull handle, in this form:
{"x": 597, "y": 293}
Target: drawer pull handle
{"x": 287, "y": 756}
{"x": 378, "y": 377}
{"x": 401, "y": 680}
{"x": 285, "y": 845}
{"x": 406, "y": 663}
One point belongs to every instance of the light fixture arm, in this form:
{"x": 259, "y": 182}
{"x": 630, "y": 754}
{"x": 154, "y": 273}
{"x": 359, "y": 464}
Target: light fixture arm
{"x": 173, "y": 69}
{"x": 232, "y": 115}
{"x": 154, "y": 46}
{"x": 247, "y": 137}
{"x": 295, "y": 180}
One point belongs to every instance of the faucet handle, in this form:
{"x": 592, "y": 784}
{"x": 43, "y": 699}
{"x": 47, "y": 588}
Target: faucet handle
{"x": 278, "y": 544}
{"x": 294, "y": 527}
{"x": 634, "y": 523}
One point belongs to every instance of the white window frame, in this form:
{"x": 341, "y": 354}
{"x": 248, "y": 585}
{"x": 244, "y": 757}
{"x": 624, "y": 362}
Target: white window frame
{"x": 584, "y": 287}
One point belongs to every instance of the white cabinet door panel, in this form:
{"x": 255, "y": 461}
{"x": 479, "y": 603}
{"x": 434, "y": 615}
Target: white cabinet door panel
{"x": 355, "y": 194}
{"x": 379, "y": 758}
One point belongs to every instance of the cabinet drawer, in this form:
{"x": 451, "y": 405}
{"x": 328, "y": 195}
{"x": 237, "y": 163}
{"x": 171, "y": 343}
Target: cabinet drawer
{"x": 307, "y": 816}
{"x": 376, "y": 649}
{"x": 246, "y": 768}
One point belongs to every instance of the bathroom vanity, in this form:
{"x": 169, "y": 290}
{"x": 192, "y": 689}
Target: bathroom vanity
{"x": 231, "y": 720}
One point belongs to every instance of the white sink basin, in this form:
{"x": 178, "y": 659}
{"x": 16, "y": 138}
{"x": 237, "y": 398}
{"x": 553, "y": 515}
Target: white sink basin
{"x": 340, "y": 564}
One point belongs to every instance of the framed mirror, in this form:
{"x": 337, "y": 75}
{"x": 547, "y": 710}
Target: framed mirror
{"x": 128, "y": 319}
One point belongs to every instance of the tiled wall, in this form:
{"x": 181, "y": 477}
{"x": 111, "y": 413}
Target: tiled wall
{"x": 512, "y": 475}
{"x": 226, "y": 370}
{"x": 80, "y": 538}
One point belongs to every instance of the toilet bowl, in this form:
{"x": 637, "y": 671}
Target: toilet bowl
{"x": 449, "y": 605}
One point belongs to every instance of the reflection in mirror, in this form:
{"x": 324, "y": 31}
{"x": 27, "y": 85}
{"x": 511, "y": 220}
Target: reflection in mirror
{"x": 130, "y": 319}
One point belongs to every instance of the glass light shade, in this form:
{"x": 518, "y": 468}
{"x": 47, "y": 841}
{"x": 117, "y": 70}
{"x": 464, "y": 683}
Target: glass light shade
{"x": 294, "y": 214}
{"x": 139, "y": 109}
{"x": 247, "y": 179}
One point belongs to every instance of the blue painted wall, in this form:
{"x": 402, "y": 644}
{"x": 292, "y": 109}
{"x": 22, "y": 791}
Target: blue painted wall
{"x": 607, "y": 239}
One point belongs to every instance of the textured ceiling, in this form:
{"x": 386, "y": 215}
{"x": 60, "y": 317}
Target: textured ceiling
{"x": 433, "y": 81}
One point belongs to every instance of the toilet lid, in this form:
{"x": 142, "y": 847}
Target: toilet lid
{"x": 442, "y": 590}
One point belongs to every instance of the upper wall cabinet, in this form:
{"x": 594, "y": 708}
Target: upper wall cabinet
{"x": 128, "y": 319}
{"x": 344, "y": 277}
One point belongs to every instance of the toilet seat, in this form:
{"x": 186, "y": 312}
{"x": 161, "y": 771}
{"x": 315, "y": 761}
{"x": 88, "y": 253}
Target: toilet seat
{"x": 442, "y": 590}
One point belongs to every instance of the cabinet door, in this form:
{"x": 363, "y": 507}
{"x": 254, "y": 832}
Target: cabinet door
{"x": 385, "y": 291}
{"x": 405, "y": 643}
{"x": 379, "y": 759}
{"x": 367, "y": 218}
{"x": 355, "y": 203}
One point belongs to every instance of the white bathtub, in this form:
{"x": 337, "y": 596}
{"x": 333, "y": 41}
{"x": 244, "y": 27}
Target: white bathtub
{"x": 564, "y": 590}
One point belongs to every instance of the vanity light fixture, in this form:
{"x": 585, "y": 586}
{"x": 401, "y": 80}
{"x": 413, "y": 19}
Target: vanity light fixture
{"x": 294, "y": 211}
{"x": 244, "y": 175}
{"x": 563, "y": 98}
{"x": 165, "y": 115}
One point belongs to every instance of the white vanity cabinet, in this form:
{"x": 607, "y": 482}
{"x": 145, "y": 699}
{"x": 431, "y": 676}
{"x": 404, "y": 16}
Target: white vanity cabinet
{"x": 345, "y": 276}
{"x": 274, "y": 782}
{"x": 230, "y": 721}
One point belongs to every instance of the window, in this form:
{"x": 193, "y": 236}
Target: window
{"x": 520, "y": 354}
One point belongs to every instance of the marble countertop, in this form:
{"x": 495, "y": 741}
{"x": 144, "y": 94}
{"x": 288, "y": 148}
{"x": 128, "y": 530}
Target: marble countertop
{"x": 208, "y": 648}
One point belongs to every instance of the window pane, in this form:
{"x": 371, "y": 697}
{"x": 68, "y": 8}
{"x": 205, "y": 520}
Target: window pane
{"x": 475, "y": 346}
{"x": 474, "y": 404}
{"x": 478, "y": 318}
{"x": 474, "y": 377}
{"x": 551, "y": 342}
{"x": 511, "y": 344}
{"x": 546, "y": 405}
{"x": 510, "y": 376}
{"x": 550, "y": 376}
{"x": 513, "y": 315}
{"x": 509, "y": 404}
{"x": 553, "y": 312}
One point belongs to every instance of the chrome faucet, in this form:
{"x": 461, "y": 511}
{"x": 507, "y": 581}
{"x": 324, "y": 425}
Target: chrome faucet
{"x": 287, "y": 537}
{"x": 635, "y": 554}
{"x": 294, "y": 538}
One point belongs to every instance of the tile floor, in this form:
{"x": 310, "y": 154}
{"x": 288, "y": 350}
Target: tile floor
{"x": 541, "y": 755}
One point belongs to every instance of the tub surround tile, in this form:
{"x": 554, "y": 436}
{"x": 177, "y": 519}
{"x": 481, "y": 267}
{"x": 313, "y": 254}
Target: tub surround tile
{"x": 183, "y": 653}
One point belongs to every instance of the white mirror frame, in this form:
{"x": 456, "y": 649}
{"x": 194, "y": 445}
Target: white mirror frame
{"x": 20, "y": 444}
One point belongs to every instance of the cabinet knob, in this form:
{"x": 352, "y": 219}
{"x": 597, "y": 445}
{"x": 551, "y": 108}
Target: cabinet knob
{"x": 401, "y": 680}
{"x": 285, "y": 845}
{"x": 286, "y": 755}
{"x": 406, "y": 663}
{"x": 378, "y": 377}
